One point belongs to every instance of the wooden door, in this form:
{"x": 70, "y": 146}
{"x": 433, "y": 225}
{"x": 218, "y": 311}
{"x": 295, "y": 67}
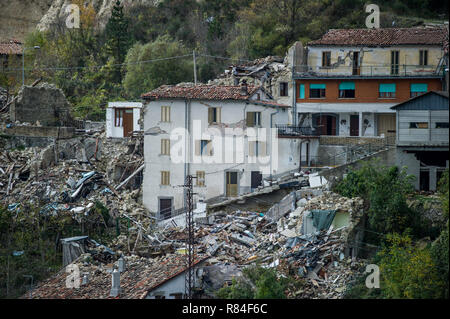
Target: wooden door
{"x": 354, "y": 125}
{"x": 256, "y": 179}
{"x": 127, "y": 122}
{"x": 231, "y": 182}
{"x": 386, "y": 124}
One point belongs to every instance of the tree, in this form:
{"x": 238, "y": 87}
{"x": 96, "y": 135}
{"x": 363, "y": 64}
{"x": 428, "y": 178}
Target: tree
{"x": 257, "y": 283}
{"x": 118, "y": 40}
{"x": 146, "y": 76}
{"x": 408, "y": 271}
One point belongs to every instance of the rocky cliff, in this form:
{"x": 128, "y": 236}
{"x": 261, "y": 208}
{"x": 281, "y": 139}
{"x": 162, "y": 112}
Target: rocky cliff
{"x": 19, "y": 17}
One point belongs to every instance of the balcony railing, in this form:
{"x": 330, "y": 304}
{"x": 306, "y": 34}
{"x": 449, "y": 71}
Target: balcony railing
{"x": 294, "y": 131}
{"x": 398, "y": 70}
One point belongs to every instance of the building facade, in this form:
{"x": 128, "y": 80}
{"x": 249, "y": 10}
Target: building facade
{"x": 353, "y": 77}
{"x": 122, "y": 118}
{"x": 219, "y": 134}
{"x": 422, "y": 140}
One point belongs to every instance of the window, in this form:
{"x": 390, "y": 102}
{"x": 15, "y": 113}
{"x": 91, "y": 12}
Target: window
{"x": 316, "y": 91}
{"x": 177, "y": 296}
{"x": 283, "y": 89}
{"x": 257, "y": 148}
{"x": 394, "y": 62}
{"x": 118, "y": 117}
{"x": 213, "y": 115}
{"x": 301, "y": 91}
{"x": 418, "y": 89}
{"x": 253, "y": 119}
{"x": 200, "y": 178}
{"x": 160, "y": 297}
{"x": 442, "y": 125}
{"x": 326, "y": 58}
{"x": 387, "y": 90}
{"x": 423, "y": 57}
{"x": 347, "y": 90}
{"x": 418, "y": 125}
{"x": 165, "y": 113}
{"x": 165, "y": 178}
{"x": 203, "y": 147}
{"x": 165, "y": 146}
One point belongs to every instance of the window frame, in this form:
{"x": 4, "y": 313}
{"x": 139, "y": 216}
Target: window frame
{"x": 165, "y": 178}
{"x": 165, "y": 146}
{"x": 423, "y": 57}
{"x": 326, "y": 59}
{"x": 118, "y": 117}
{"x": 165, "y": 113}
{"x": 284, "y": 89}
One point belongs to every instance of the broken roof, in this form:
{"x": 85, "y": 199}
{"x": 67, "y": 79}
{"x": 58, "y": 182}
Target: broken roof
{"x": 383, "y": 37}
{"x": 140, "y": 276}
{"x": 201, "y": 92}
{"x": 11, "y": 47}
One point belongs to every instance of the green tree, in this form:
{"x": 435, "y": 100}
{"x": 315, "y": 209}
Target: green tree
{"x": 118, "y": 40}
{"x": 143, "y": 77}
{"x": 408, "y": 271}
{"x": 257, "y": 283}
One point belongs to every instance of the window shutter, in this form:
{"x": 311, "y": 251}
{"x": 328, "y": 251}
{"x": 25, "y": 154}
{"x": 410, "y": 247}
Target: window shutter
{"x": 163, "y": 113}
{"x": 249, "y": 120}
{"x": 219, "y": 115}
{"x": 210, "y": 115}
{"x": 262, "y": 149}
{"x": 251, "y": 148}
{"x": 197, "y": 147}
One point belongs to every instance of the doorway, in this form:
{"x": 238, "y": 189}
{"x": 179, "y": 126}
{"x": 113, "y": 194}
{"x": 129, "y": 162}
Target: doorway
{"x": 127, "y": 122}
{"x": 354, "y": 125}
{"x": 165, "y": 208}
{"x": 256, "y": 179}
{"x": 326, "y": 124}
{"x": 231, "y": 184}
{"x": 424, "y": 180}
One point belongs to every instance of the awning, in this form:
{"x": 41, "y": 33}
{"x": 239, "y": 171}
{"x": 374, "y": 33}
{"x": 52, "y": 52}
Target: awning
{"x": 387, "y": 87}
{"x": 317, "y": 86}
{"x": 419, "y": 87}
{"x": 347, "y": 86}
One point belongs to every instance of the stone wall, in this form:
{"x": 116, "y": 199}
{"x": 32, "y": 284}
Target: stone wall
{"x": 44, "y": 103}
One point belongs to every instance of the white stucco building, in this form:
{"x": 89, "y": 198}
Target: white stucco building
{"x": 230, "y": 146}
{"x": 122, "y": 118}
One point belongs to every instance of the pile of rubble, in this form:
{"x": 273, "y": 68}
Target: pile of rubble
{"x": 318, "y": 257}
{"x": 71, "y": 175}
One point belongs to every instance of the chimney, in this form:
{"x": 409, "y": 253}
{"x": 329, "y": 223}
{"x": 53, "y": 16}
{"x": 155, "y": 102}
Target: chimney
{"x": 115, "y": 288}
{"x": 244, "y": 87}
{"x": 122, "y": 264}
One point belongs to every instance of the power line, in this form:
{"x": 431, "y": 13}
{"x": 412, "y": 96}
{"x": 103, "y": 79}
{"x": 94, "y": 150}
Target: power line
{"x": 101, "y": 66}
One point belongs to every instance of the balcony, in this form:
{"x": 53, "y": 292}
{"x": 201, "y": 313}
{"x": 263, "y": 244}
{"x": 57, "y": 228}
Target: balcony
{"x": 374, "y": 71}
{"x": 288, "y": 131}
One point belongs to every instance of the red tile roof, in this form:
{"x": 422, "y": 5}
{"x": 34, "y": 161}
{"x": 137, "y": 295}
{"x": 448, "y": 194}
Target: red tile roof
{"x": 11, "y": 47}
{"x": 200, "y": 92}
{"x": 140, "y": 276}
{"x": 383, "y": 37}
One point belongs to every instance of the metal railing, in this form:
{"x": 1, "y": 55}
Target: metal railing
{"x": 288, "y": 130}
{"x": 394, "y": 70}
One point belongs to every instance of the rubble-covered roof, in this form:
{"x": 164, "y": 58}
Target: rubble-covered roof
{"x": 140, "y": 276}
{"x": 383, "y": 37}
{"x": 201, "y": 92}
{"x": 11, "y": 47}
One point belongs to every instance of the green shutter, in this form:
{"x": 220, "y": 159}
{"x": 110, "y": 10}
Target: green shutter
{"x": 302, "y": 91}
{"x": 387, "y": 88}
{"x": 347, "y": 86}
{"x": 419, "y": 87}
{"x": 317, "y": 86}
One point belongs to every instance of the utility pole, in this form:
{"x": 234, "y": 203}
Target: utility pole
{"x": 195, "y": 67}
{"x": 190, "y": 249}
